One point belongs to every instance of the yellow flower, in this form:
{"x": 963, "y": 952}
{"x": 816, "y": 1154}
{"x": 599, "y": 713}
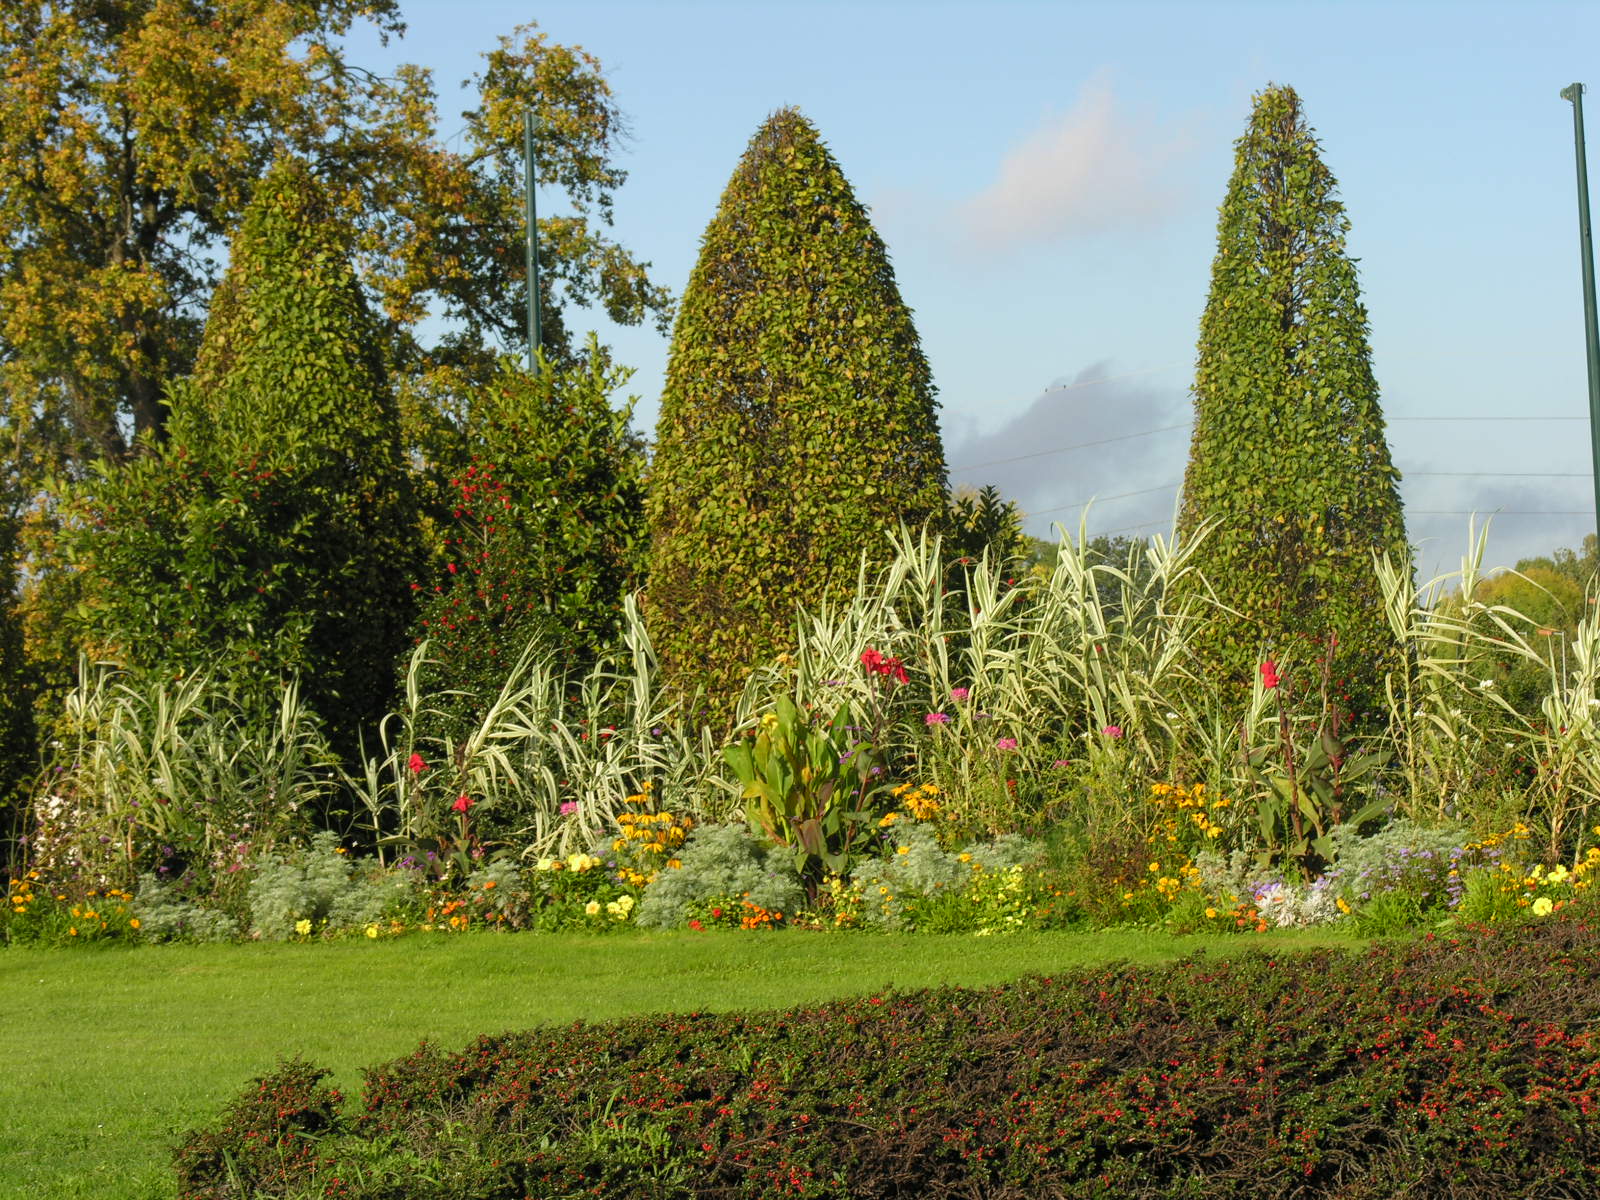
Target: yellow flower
{"x": 1154, "y": 867}
{"x": 1542, "y": 906}
{"x": 133, "y": 923}
{"x": 372, "y": 931}
{"x": 1211, "y": 914}
{"x": 902, "y": 849}
{"x": 592, "y": 908}
{"x": 302, "y": 927}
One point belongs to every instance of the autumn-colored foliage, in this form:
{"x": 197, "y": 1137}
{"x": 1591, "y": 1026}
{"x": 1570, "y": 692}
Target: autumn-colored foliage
{"x": 798, "y": 420}
{"x": 132, "y": 136}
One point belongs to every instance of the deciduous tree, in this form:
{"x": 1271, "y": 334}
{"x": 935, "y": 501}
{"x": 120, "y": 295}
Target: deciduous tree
{"x": 132, "y": 136}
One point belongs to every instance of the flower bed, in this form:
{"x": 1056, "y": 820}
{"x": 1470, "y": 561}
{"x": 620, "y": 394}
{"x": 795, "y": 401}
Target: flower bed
{"x": 1452, "y": 1067}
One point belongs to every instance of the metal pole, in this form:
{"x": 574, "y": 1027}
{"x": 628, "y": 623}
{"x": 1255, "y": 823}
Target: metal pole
{"x": 532, "y": 240}
{"x": 1574, "y": 93}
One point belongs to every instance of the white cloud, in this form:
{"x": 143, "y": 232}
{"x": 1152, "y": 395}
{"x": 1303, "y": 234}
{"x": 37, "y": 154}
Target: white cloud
{"x": 1087, "y": 170}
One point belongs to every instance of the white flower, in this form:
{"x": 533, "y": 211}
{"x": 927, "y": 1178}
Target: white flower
{"x": 1172, "y": 716}
{"x": 1485, "y": 684}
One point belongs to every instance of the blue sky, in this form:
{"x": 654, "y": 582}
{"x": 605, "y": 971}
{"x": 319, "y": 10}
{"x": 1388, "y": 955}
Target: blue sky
{"x": 1046, "y": 176}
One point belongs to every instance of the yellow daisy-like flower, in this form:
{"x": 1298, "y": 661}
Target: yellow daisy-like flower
{"x": 1542, "y": 906}
{"x": 302, "y": 927}
{"x": 592, "y": 908}
{"x": 372, "y": 931}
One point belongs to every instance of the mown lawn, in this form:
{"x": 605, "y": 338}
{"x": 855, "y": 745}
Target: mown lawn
{"x": 109, "y": 1054}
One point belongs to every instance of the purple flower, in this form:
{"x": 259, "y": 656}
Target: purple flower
{"x": 936, "y": 718}
{"x": 959, "y": 693}
{"x": 1006, "y": 744}
{"x": 569, "y": 807}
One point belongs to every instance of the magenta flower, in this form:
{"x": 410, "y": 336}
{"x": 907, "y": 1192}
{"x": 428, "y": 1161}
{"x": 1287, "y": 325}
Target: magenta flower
{"x": 937, "y": 718}
{"x": 569, "y": 807}
{"x": 1062, "y": 762}
{"x": 1006, "y": 744}
{"x": 959, "y": 694}
{"x": 1112, "y": 731}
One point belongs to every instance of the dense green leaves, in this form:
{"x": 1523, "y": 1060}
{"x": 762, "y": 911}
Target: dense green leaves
{"x": 274, "y": 533}
{"x": 798, "y": 420}
{"x": 1289, "y": 456}
{"x": 544, "y": 535}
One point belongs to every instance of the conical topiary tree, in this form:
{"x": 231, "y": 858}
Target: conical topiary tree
{"x": 273, "y": 534}
{"x": 1289, "y": 457}
{"x": 798, "y": 420}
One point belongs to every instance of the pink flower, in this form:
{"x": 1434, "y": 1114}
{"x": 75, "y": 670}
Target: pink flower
{"x": 1062, "y": 762}
{"x": 416, "y": 765}
{"x": 1112, "y": 731}
{"x": 937, "y": 719}
{"x": 463, "y": 802}
{"x": 1006, "y": 744}
{"x": 569, "y": 807}
{"x": 959, "y": 694}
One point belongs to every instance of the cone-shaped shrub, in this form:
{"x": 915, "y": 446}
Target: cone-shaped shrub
{"x": 274, "y": 533}
{"x": 798, "y": 420}
{"x": 1289, "y": 456}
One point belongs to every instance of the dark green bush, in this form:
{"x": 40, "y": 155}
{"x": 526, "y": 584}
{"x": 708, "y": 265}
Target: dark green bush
{"x": 1459, "y": 1067}
{"x": 268, "y": 1138}
{"x": 543, "y": 536}
{"x": 273, "y": 534}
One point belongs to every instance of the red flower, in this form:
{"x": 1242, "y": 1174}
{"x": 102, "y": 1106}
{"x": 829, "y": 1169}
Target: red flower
{"x": 416, "y": 766}
{"x": 716, "y": 913}
{"x": 1269, "y": 674}
{"x": 696, "y": 926}
{"x": 463, "y": 802}
{"x": 877, "y": 664}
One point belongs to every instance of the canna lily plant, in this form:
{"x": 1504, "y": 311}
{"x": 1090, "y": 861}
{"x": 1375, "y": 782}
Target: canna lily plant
{"x": 810, "y": 786}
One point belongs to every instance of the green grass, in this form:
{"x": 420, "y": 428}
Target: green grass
{"x": 110, "y": 1054}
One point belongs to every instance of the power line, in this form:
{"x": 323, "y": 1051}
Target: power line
{"x": 1102, "y": 499}
{"x": 1123, "y": 437}
{"x": 999, "y": 462}
{"x": 1410, "y": 475}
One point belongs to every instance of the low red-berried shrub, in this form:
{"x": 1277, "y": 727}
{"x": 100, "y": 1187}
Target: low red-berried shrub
{"x": 1457, "y": 1066}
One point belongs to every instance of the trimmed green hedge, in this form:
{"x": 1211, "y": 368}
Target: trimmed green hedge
{"x": 1445, "y": 1067}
